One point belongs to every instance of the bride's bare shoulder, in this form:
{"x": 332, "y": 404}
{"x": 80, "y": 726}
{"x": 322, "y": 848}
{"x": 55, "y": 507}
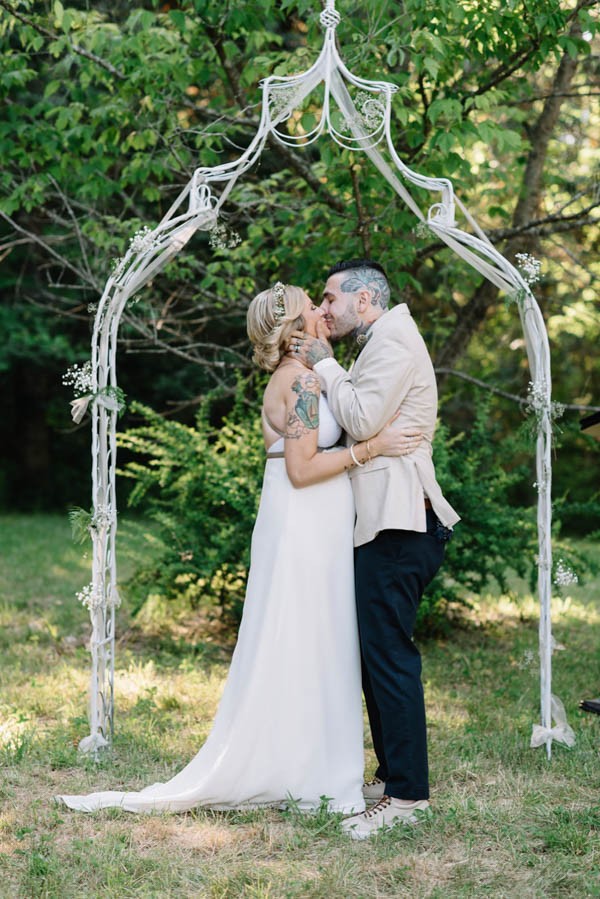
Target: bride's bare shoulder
{"x": 287, "y": 377}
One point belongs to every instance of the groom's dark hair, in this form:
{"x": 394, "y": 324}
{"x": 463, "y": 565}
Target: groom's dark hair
{"x": 352, "y": 264}
{"x": 364, "y": 273}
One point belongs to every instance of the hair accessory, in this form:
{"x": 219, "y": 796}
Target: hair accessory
{"x": 278, "y": 290}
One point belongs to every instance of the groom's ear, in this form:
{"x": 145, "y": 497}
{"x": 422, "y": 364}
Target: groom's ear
{"x": 364, "y": 300}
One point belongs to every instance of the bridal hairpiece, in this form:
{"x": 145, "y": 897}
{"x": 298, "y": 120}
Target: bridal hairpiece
{"x": 279, "y": 293}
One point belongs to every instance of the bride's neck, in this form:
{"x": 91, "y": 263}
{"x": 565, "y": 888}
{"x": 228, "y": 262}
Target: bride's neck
{"x": 287, "y": 361}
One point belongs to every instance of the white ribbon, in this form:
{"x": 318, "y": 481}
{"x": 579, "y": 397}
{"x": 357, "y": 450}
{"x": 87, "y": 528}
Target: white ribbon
{"x": 80, "y": 406}
{"x": 92, "y": 743}
{"x": 561, "y": 732}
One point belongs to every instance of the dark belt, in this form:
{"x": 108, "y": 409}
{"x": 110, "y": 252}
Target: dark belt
{"x": 281, "y": 455}
{"x": 428, "y": 503}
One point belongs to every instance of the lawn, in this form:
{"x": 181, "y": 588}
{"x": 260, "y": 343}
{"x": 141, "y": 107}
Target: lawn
{"x": 505, "y": 823}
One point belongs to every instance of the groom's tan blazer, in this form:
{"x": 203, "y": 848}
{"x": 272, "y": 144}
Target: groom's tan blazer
{"x": 393, "y": 371}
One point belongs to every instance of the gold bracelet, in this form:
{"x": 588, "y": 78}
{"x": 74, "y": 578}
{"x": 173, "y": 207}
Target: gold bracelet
{"x": 354, "y": 459}
{"x": 369, "y": 456}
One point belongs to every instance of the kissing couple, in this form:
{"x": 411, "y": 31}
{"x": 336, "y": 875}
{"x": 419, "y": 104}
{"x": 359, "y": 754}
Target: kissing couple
{"x": 347, "y": 537}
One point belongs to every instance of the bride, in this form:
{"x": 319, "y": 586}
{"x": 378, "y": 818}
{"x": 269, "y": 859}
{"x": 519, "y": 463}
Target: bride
{"x": 289, "y": 725}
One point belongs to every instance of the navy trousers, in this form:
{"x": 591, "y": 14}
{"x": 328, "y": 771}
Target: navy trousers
{"x": 392, "y": 571}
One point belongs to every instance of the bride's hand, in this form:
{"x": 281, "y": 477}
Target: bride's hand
{"x": 395, "y": 441}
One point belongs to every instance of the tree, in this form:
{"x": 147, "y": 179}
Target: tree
{"x": 108, "y": 110}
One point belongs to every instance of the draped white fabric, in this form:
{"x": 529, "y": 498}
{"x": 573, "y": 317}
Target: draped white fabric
{"x": 362, "y": 122}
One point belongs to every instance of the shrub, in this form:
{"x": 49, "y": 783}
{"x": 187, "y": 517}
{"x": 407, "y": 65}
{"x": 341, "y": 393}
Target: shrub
{"x": 201, "y": 486}
{"x": 497, "y": 533}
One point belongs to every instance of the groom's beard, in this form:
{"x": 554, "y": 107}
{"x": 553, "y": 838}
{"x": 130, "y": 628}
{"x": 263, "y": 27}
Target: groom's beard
{"x": 347, "y": 325}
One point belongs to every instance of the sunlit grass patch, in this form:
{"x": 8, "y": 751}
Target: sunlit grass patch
{"x": 505, "y": 822}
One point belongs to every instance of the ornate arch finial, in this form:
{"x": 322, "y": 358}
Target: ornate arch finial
{"x": 330, "y": 17}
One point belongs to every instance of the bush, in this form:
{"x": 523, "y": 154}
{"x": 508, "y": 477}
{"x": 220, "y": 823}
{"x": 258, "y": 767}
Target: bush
{"x": 201, "y": 487}
{"x": 496, "y": 535}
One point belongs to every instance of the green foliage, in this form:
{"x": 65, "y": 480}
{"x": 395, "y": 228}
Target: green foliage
{"x": 81, "y": 522}
{"x": 486, "y": 477}
{"x": 107, "y": 108}
{"x": 496, "y": 536}
{"x": 201, "y": 487}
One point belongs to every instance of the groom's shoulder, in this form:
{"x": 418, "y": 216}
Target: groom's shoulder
{"x": 397, "y": 321}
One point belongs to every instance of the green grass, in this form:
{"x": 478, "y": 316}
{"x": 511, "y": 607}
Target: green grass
{"x": 506, "y": 822}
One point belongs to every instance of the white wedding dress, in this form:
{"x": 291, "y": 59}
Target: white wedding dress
{"x": 289, "y": 724}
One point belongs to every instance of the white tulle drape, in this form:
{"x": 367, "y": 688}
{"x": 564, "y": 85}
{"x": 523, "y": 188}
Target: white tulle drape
{"x": 356, "y": 113}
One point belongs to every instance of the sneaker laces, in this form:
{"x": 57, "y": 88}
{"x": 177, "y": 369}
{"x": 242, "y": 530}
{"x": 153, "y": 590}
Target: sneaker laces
{"x": 373, "y": 783}
{"x": 383, "y": 803}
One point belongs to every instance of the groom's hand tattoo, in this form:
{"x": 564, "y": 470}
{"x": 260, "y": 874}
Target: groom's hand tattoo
{"x": 305, "y": 417}
{"x": 316, "y": 351}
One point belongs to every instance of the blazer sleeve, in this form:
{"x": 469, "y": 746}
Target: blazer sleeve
{"x": 366, "y": 399}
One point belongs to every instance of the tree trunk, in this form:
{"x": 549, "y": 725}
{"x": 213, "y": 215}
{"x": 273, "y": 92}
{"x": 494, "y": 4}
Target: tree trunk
{"x": 527, "y": 208}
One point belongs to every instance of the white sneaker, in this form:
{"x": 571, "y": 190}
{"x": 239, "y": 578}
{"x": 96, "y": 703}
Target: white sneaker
{"x": 386, "y": 813}
{"x": 374, "y": 789}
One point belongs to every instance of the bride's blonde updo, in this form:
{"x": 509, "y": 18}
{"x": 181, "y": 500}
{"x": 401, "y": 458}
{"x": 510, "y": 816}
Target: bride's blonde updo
{"x": 272, "y": 316}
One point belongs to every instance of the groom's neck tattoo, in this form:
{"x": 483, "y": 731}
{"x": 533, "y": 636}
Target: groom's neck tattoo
{"x": 371, "y": 280}
{"x": 305, "y": 416}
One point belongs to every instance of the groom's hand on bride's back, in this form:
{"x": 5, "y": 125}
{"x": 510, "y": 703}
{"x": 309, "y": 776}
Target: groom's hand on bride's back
{"x": 310, "y": 350}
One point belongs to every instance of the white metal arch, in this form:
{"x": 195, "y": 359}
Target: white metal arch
{"x": 361, "y": 123}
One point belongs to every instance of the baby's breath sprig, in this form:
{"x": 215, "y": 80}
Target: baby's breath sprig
{"x": 142, "y": 240}
{"x": 421, "y": 229}
{"x": 90, "y": 596}
{"x": 529, "y": 267}
{"x": 369, "y": 115}
{"x": 79, "y": 377}
{"x": 564, "y": 576}
{"x": 84, "y": 522}
{"x": 537, "y": 401}
{"x": 223, "y": 238}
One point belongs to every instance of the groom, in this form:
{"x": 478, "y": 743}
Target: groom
{"x": 402, "y": 522}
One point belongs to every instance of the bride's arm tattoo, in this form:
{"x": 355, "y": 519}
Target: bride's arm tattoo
{"x": 305, "y": 415}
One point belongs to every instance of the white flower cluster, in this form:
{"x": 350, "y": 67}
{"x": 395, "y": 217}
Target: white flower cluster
{"x": 537, "y": 396}
{"x": 527, "y": 659}
{"x": 283, "y": 100}
{"x": 537, "y": 401}
{"x": 223, "y": 238}
{"x": 421, "y": 229}
{"x": 529, "y": 266}
{"x": 369, "y": 116}
{"x": 90, "y": 596}
{"x": 372, "y": 110}
{"x": 143, "y": 240}
{"x": 79, "y": 377}
{"x": 564, "y": 576}
{"x": 103, "y": 516}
